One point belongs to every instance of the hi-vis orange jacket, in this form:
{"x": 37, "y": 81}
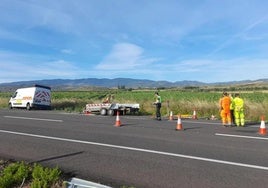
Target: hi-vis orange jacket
{"x": 225, "y": 103}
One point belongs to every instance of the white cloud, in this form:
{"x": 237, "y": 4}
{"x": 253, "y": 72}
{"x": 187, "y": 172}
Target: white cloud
{"x": 19, "y": 67}
{"x": 58, "y": 68}
{"x": 128, "y": 60}
{"x": 224, "y": 70}
{"x": 125, "y": 56}
{"x": 67, "y": 51}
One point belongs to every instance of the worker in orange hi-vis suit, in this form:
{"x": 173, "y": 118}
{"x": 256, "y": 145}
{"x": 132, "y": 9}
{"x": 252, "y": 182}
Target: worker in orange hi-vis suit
{"x": 225, "y": 112}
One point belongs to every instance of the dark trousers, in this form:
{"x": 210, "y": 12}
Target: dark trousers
{"x": 158, "y": 113}
{"x": 232, "y": 116}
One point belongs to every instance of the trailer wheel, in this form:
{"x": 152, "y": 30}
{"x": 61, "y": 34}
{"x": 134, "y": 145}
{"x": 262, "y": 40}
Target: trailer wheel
{"x": 110, "y": 112}
{"x": 103, "y": 111}
{"x": 28, "y": 107}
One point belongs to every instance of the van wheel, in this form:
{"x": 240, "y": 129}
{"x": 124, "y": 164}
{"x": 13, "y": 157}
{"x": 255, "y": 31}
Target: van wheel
{"x": 10, "y": 106}
{"x": 28, "y": 107}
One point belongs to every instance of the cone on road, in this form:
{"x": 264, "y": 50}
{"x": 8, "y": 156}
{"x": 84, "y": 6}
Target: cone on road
{"x": 117, "y": 121}
{"x": 179, "y": 124}
{"x": 170, "y": 116}
{"x": 87, "y": 112}
{"x": 262, "y": 129}
{"x": 194, "y": 115}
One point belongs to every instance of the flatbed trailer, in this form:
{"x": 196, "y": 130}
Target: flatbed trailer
{"x": 112, "y": 108}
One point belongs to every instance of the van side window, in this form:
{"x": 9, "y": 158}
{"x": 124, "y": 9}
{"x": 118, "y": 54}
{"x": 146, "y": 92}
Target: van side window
{"x": 14, "y": 95}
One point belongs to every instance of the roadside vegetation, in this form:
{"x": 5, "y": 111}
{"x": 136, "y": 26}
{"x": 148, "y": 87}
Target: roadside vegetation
{"x": 178, "y": 100}
{"x": 20, "y": 174}
{"x": 23, "y": 175}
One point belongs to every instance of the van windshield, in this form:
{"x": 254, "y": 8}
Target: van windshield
{"x": 14, "y": 95}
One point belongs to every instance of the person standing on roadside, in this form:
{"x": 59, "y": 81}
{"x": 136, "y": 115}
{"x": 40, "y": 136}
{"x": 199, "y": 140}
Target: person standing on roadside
{"x": 157, "y": 104}
{"x": 225, "y": 113}
{"x": 232, "y": 109}
{"x": 239, "y": 110}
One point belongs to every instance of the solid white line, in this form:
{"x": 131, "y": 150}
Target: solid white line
{"x": 36, "y": 119}
{"x": 254, "y": 125}
{"x": 200, "y": 122}
{"x": 140, "y": 150}
{"x": 241, "y": 136}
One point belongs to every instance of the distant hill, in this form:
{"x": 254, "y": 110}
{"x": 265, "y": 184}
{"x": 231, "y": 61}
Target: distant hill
{"x": 68, "y": 84}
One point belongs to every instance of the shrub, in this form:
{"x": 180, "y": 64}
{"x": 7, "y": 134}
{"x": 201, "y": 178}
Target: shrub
{"x": 44, "y": 177}
{"x": 37, "y": 176}
{"x": 14, "y": 174}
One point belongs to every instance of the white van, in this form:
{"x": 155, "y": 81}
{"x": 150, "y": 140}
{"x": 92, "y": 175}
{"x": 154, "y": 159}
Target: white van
{"x": 37, "y": 96}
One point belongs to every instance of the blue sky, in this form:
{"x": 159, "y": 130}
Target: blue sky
{"x": 172, "y": 40}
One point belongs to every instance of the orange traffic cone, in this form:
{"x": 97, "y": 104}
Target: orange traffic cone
{"x": 117, "y": 122}
{"x": 171, "y": 116}
{"x": 194, "y": 115}
{"x": 87, "y": 112}
{"x": 179, "y": 124}
{"x": 262, "y": 129}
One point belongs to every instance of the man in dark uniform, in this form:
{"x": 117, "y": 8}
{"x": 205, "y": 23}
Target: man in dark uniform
{"x": 157, "y": 104}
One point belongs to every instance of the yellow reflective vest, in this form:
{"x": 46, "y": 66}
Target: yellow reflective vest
{"x": 238, "y": 104}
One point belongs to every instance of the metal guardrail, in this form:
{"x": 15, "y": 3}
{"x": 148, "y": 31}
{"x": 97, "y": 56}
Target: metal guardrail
{"x": 79, "y": 183}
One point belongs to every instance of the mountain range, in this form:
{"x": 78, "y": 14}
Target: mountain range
{"x": 73, "y": 84}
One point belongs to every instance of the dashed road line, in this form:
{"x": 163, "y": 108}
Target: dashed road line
{"x": 36, "y": 119}
{"x": 241, "y": 136}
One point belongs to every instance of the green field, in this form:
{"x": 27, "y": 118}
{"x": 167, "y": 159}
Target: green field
{"x": 178, "y": 101}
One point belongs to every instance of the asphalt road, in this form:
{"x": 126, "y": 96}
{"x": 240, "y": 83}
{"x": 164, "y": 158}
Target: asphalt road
{"x": 143, "y": 153}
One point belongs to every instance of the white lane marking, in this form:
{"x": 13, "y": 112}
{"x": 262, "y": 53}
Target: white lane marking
{"x": 254, "y": 125}
{"x": 200, "y": 122}
{"x": 36, "y": 119}
{"x": 140, "y": 150}
{"x": 241, "y": 136}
